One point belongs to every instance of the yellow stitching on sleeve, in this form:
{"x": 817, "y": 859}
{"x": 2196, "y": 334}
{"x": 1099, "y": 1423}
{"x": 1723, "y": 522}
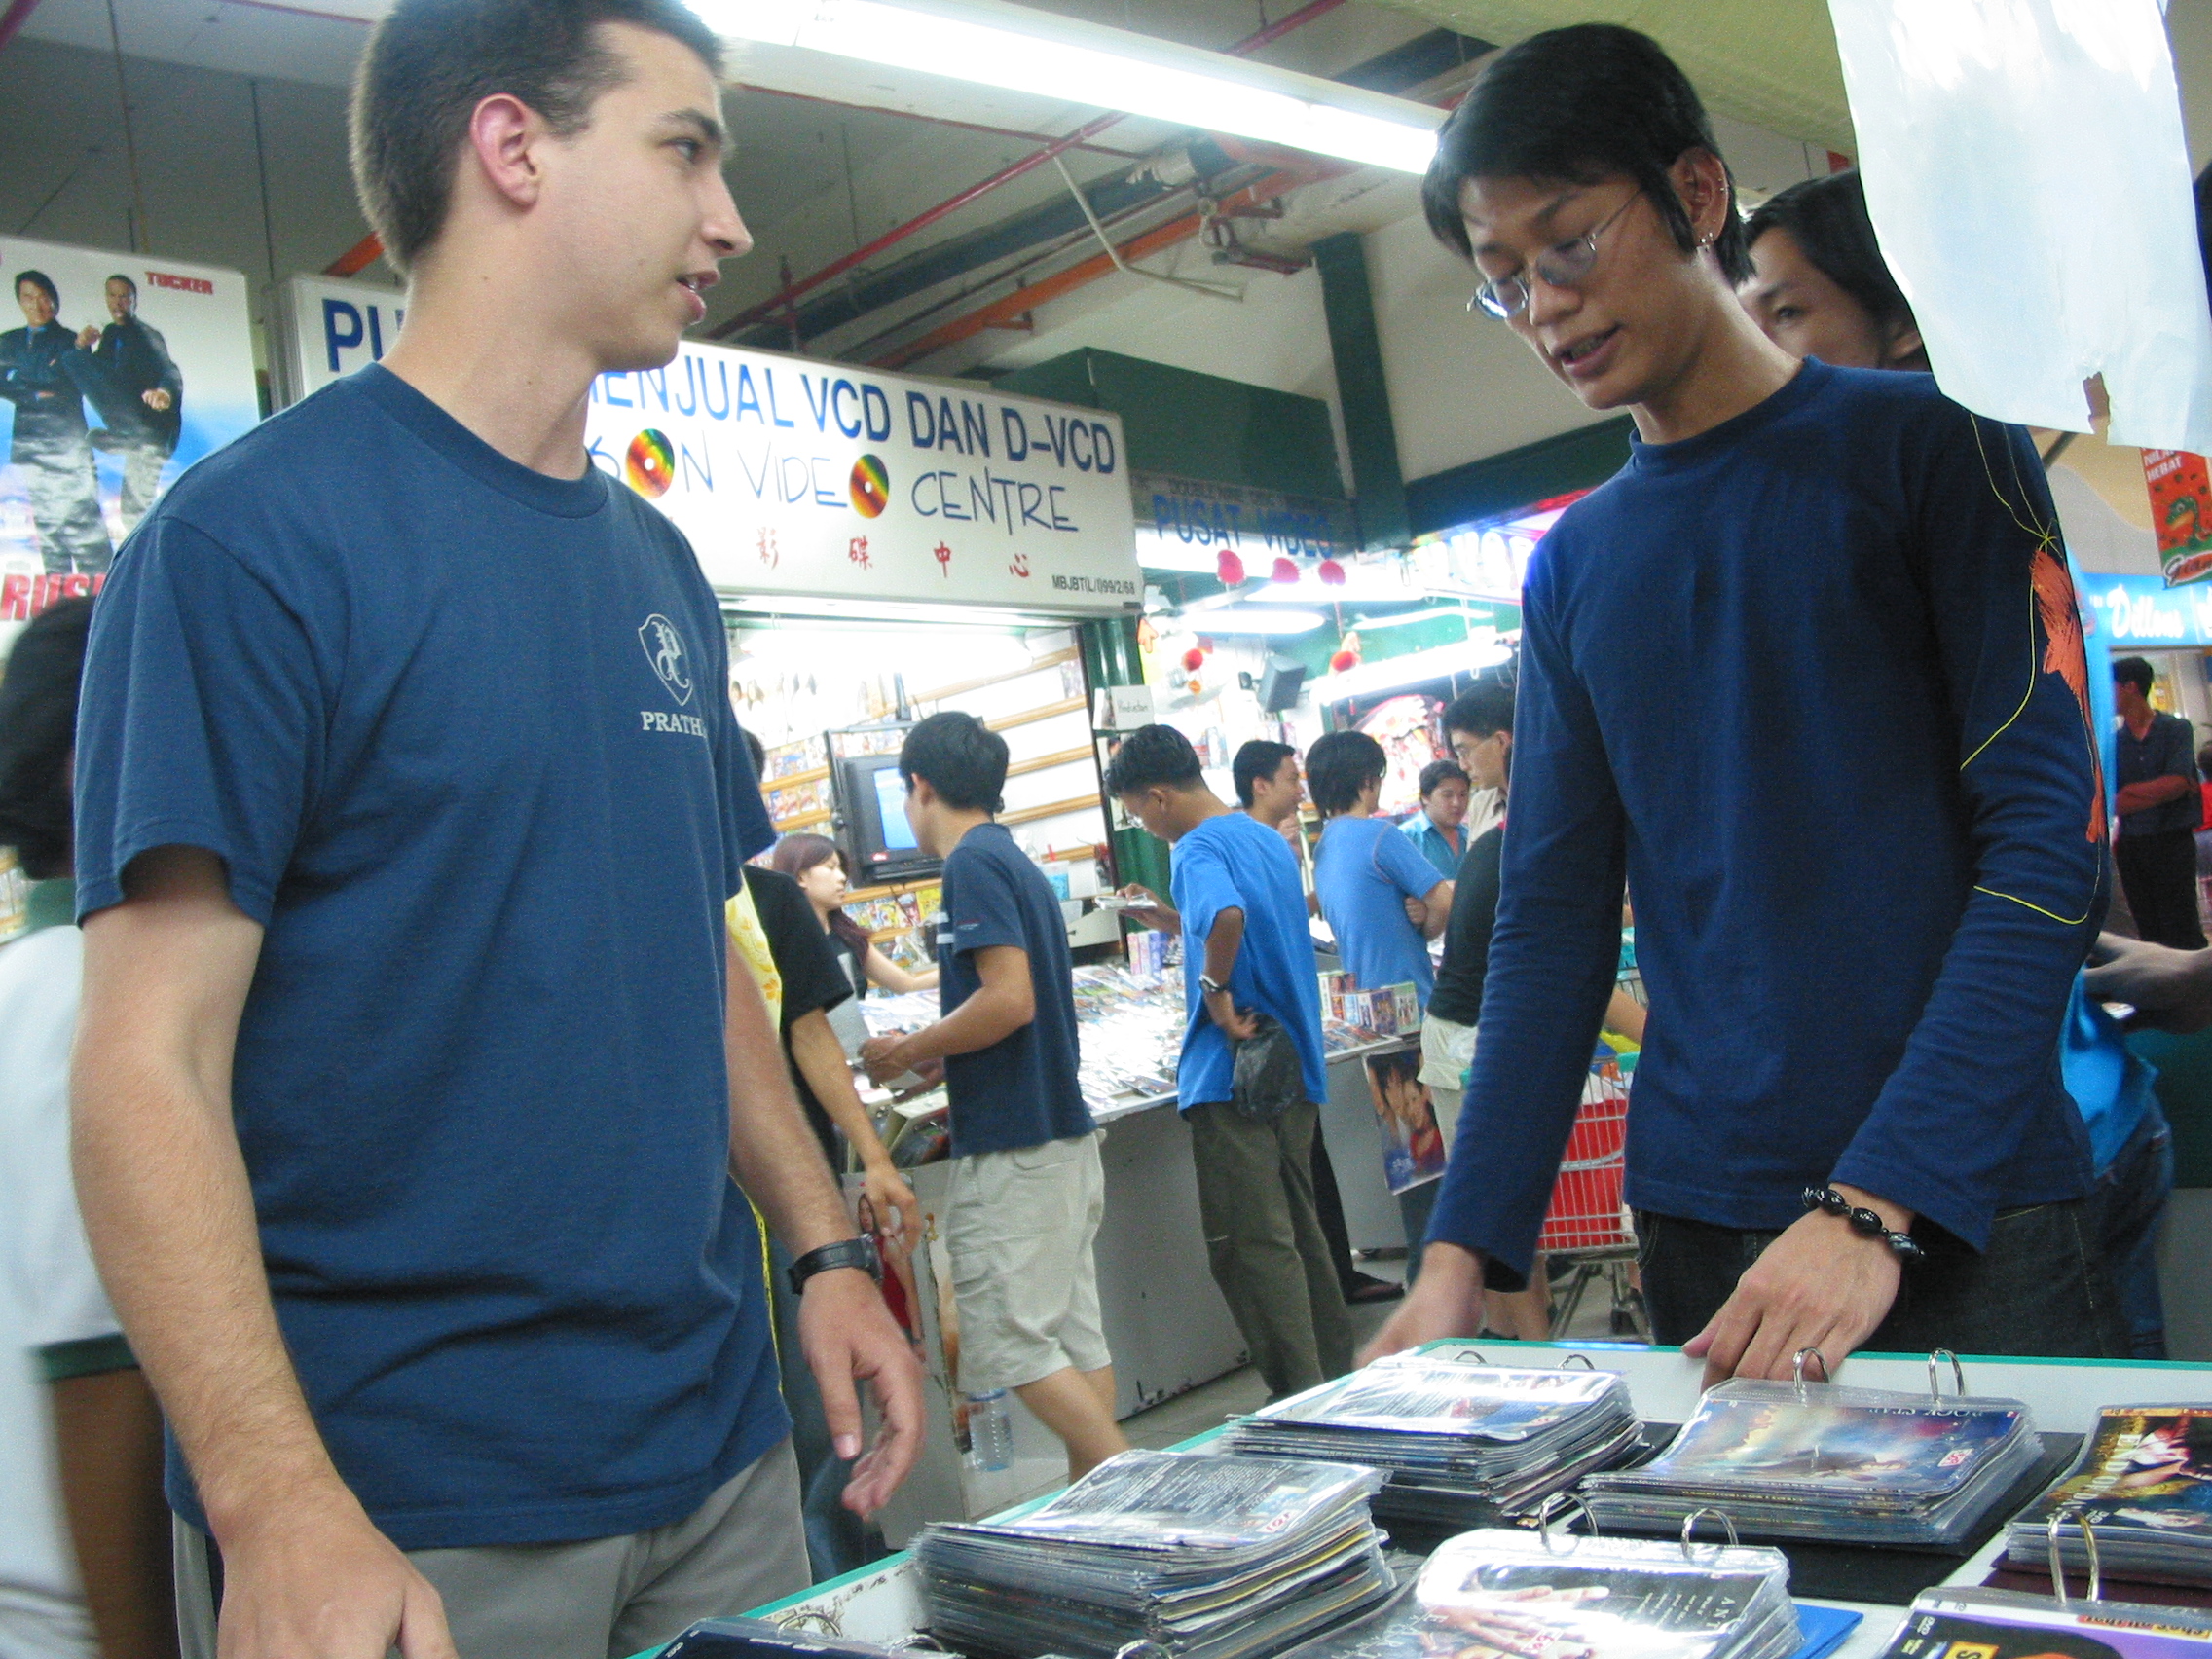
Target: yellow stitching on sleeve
{"x": 2024, "y": 904}
{"x": 2026, "y": 696}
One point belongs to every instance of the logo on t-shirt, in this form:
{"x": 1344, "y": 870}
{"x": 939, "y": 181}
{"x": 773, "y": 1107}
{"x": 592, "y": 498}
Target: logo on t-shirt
{"x": 666, "y": 651}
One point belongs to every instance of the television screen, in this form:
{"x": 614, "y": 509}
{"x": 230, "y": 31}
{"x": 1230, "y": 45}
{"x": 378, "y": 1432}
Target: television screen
{"x": 891, "y": 811}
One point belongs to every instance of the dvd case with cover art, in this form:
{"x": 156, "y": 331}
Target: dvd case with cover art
{"x": 2144, "y": 1482}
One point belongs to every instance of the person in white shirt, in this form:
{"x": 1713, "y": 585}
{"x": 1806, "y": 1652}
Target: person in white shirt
{"x": 83, "y": 1532}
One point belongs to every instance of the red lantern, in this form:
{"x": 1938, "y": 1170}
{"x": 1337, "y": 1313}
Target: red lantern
{"x": 1331, "y": 572}
{"x": 1343, "y": 661}
{"x": 1194, "y": 659}
{"x": 1229, "y": 568}
{"x": 1285, "y": 572}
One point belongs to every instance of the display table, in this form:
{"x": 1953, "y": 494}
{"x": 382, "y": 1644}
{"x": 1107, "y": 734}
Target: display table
{"x": 881, "y": 1603}
{"x": 1165, "y": 1323}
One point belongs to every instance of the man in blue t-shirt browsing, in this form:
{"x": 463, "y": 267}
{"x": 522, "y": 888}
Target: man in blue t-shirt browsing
{"x": 416, "y": 1075}
{"x": 1809, "y": 673}
{"x": 1027, "y": 1191}
{"x": 1372, "y": 879}
{"x": 1253, "y": 1073}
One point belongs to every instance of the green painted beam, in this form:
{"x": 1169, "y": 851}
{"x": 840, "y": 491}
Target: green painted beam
{"x": 1379, "y": 486}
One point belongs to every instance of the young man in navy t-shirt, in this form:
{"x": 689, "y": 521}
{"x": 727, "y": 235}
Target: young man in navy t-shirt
{"x": 1247, "y": 954}
{"x": 1027, "y": 1189}
{"x": 415, "y": 1070}
{"x": 1809, "y": 673}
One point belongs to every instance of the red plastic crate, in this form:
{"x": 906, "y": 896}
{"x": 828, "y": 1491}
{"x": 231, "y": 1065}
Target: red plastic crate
{"x": 1586, "y": 1211}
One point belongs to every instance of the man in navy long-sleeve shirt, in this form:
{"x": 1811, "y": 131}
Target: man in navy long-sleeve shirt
{"x": 1809, "y": 674}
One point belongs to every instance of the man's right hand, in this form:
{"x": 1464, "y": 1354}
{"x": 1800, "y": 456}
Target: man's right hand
{"x": 1446, "y": 1301}
{"x": 1236, "y": 1023}
{"x": 2170, "y": 990}
{"x": 321, "y": 1582}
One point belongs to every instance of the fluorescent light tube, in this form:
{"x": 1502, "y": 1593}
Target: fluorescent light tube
{"x": 1238, "y": 619}
{"x": 1019, "y": 49}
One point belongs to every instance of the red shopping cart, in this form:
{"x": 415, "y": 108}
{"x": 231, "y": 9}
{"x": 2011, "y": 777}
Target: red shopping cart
{"x": 1587, "y": 1231}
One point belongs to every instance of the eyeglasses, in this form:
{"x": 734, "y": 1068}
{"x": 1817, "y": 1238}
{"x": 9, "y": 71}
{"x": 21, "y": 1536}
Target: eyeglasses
{"x": 1566, "y": 266}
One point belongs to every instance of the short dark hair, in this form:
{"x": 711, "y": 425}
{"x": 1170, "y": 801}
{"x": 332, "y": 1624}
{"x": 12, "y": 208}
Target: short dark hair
{"x": 38, "y": 279}
{"x": 430, "y": 62}
{"x": 1257, "y": 760}
{"x": 118, "y": 277}
{"x": 1340, "y": 767}
{"x": 1484, "y": 710}
{"x": 2133, "y": 671}
{"x": 757, "y": 749}
{"x": 1440, "y": 773}
{"x": 1579, "y": 104}
{"x": 1827, "y": 219}
{"x": 38, "y": 729}
{"x": 1153, "y": 757}
{"x": 960, "y": 757}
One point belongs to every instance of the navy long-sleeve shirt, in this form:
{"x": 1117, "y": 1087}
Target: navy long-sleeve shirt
{"x": 1813, "y": 681}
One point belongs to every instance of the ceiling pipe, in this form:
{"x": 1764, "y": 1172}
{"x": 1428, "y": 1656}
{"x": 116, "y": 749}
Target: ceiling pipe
{"x": 359, "y": 257}
{"x": 1000, "y": 311}
{"x": 932, "y": 120}
{"x": 1004, "y": 175}
{"x": 11, "y": 21}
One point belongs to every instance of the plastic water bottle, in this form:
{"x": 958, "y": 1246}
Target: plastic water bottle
{"x": 990, "y": 1431}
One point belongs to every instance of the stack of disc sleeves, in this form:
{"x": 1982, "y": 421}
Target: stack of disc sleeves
{"x": 1491, "y": 1593}
{"x": 1463, "y": 1444}
{"x": 2144, "y": 1483}
{"x": 1212, "y": 1558}
{"x": 1812, "y": 1460}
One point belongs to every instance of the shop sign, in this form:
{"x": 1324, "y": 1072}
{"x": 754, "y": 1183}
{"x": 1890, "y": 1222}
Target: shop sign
{"x": 125, "y": 369}
{"x": 1243, "y": 519}
{"x": 2142, "y": 610}
{"x": 793, "y": 476}
{"x": 2181, "y": 513}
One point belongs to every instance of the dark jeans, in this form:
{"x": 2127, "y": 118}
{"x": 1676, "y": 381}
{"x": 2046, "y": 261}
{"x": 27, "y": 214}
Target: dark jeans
{"x": 1329, "y": 1209}
{"x": 2040, "y": 1289}
{"x": 2132, "y": 1193}
{"x": 2159, "y": 874}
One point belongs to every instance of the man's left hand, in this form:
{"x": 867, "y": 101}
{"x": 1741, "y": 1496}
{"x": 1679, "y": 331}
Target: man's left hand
{"x": 1820, "y": 1285}
{"x": 848, "y": 1335}
{"x": 155, "y": 398}
{"x": 1417, "y": 912}
{"x": 87, "y": 337}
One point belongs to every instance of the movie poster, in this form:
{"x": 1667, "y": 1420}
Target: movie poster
{"x": 1412, "y": 1147}
{"x": 116, "y": 372}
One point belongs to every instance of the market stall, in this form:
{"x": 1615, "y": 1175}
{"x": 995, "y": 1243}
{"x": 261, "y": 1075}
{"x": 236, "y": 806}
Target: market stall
{"x": 884, "y": 1605}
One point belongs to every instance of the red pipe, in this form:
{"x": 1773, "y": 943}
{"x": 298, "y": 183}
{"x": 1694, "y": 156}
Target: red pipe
{"x": 922, "y": 221}
{"x": 18, "y": 14}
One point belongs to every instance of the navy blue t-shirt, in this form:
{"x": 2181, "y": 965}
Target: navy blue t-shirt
{"x": 1232, "y": 861}
{"x": 1813, "y": 681}
{"x": 459, "y": 732}
{"x": 1023, "y": 1090}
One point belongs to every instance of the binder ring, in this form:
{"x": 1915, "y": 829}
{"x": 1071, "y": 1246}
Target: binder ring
{"x": 1463, "y": 1356}
{"x": 1140, "y": 1649}
{"x": 1797, "y": 1366}
{"x": 1689, "y": 1526}
{"x": 811, "y": 1624}
{"x": 1958, "y": 1374}
{"x": 2057, "y": 1561}
{"x": 1559, "y": 1504}
{"x": 1588, "y": 1364}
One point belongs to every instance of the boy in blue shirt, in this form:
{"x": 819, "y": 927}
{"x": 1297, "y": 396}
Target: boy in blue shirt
{"x": 1809, "y": 673}
{"x": 1027, "y": 1187}
{"x": 1369, "y": 878}
{"x": 1440, "y": 828}
{"x": 1246, "y": 958}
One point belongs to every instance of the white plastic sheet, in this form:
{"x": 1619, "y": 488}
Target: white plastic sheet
{"x": 2029, "y": 181}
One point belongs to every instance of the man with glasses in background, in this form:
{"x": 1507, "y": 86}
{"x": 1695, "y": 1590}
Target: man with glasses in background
{"x": 1807, "y": 674}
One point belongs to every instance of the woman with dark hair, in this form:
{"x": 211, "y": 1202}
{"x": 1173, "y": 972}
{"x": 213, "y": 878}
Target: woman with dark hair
{"x": 1821, "y": 286}
{"x": 819, "y": 868}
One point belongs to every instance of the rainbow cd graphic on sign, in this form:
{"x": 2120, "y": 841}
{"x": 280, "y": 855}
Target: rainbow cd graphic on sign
{"x": 652, "y": 464}
{"x": 872, "y": 486}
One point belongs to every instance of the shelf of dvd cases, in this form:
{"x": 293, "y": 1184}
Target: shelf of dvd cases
{"x": 883, "y": 1602}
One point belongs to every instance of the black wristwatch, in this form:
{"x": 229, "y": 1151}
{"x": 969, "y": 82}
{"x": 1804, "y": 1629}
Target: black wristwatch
{"x": 1208, "y": 988}
{"x": 1865, "y": 1222}
{"x": 857, "y": 1253}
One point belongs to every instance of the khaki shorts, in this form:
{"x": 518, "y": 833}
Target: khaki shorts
{"x": 1019, "y": 1230}
{"x": 1447, "y": 1050}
